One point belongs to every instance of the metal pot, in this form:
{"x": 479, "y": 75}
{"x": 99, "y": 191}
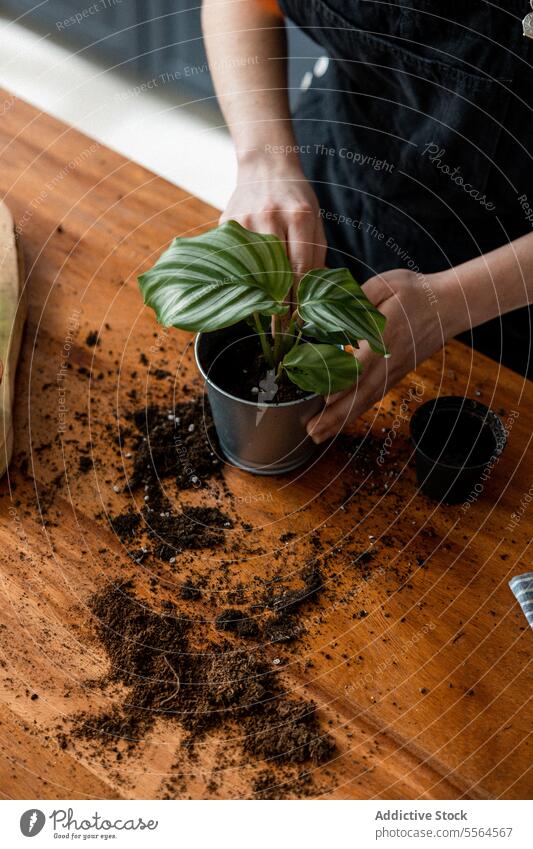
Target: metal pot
{"x": 263, "y": 438}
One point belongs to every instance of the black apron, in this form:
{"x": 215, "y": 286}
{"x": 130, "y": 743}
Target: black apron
{"x": 417, "y": 139}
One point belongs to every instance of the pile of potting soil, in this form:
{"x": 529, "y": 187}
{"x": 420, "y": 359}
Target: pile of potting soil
{"x": 182, "y": 445}
{"x": 164, "y": 533}
{"x": 200, "y": 673}
{"x": 155, "y": 656}
{"x": 179, "y": 443}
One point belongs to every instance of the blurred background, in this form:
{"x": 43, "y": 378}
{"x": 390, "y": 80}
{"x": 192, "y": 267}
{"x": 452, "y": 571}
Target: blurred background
{"x": 134, "y": 76}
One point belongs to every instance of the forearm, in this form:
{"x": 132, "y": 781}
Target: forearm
{"x": 246, "y": 48}
{"x": 489, "y": 285}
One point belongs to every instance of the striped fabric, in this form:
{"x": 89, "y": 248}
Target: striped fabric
{"x": 522, "y": 587}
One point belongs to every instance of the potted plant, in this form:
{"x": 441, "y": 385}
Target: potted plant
{"x": 266, "y": 363}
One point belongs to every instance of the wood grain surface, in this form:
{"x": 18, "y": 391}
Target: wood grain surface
{"x": 421, "y": 669}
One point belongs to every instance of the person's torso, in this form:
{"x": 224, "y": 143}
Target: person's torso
{"x": 423, "y": 102}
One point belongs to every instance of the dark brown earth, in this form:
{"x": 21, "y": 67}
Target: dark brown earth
{"x": 153, "y": 654}
{"x": 193, "y": 528}
{"x": 179, "y": 443}
{"x": 207, "y": 659}
{"x": 173, "y": 670}
{"x": 242, "y": 371}
{"x": 237, "y": 622}
{"x": 166, "y": 533}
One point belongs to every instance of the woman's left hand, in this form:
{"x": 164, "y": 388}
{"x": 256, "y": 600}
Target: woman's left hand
{"x": 420, "y": 320}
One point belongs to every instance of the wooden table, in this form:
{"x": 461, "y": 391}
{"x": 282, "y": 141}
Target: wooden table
{"x": 427, "y": 696}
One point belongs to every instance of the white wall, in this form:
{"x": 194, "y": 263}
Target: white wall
{"x": 183, "y": 142}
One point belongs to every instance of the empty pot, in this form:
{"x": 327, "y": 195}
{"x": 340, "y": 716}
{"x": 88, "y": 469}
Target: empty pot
{"x": 455, "y": 440}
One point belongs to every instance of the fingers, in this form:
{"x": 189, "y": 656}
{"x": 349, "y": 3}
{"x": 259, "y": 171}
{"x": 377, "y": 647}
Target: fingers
{"x": 331, "y": 399}
{"x": 300, "y": 248}
{"x": 295, "y": 227}
{"x": 306, "y": 241}
{"x": 301, "y": 236}
{"x": 267, "y": 221}
{"x": 344, "y": 407}
{"x": 320, "y": 245}
{"x": 377, "y": 290}
{"x": 294, "y": 220}
{"x": 334, "y": 418}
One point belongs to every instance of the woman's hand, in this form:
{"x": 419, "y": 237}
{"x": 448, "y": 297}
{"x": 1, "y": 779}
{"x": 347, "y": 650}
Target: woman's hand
{"x": 272, "y": 194}
{"x": 420, "y": 320}
{"x": 273, "y": 197}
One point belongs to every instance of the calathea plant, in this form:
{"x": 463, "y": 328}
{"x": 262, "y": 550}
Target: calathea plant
{"x": 228, "y": 274}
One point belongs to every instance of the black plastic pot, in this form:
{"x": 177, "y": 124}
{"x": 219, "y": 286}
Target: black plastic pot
{"x": 263, "y": 438}
{"x": 456, "y": 439}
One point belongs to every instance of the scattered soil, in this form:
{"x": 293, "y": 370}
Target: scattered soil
{"x": 188, "y": 591}
{"x": 287, "y": 601}
{"x": 287, "y": 730}
{"x": 268, "y": 785}
{"x": 288, "y": 536}
{"x": 179, "y": 443}
{"x": 238, "y": 622}
{"x": 178, "y": 661}
{"x": 168, "y": 677}
{"x": 282, "y": 629}
{"x": 85, "y": 463}
{"x": 161, "y": 374}
{"x": 242, "y": 371}
{"x": 126, "y": 525}
{"x": 193, "y": 528}
{"x": 169, "y": 533}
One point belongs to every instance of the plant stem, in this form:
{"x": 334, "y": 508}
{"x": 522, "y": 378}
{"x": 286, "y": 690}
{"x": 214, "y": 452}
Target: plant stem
{"x": 291, "y": 330}
{"x": 289, "y": 348}
{"x": 267, "y": 350}
{"x": 297, "y": 340}
{"x": 288, "y": 339}
{"x": 278, "y": 340}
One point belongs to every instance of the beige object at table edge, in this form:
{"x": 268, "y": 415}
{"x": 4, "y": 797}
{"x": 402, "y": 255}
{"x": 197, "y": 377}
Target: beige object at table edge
{"x": 12, "y": 318}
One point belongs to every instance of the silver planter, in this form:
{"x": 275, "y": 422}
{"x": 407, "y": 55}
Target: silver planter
{"x": 266, "y": 439}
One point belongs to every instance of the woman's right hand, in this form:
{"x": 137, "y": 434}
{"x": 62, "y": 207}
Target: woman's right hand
{"x": 274, "y": 198}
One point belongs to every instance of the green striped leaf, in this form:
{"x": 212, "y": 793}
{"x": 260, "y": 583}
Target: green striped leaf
{"x": 331, "y": 337}
{"x": 324, "y": 369}
{"x": 333, "y": 305}
{"x": 213, "y": 280}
